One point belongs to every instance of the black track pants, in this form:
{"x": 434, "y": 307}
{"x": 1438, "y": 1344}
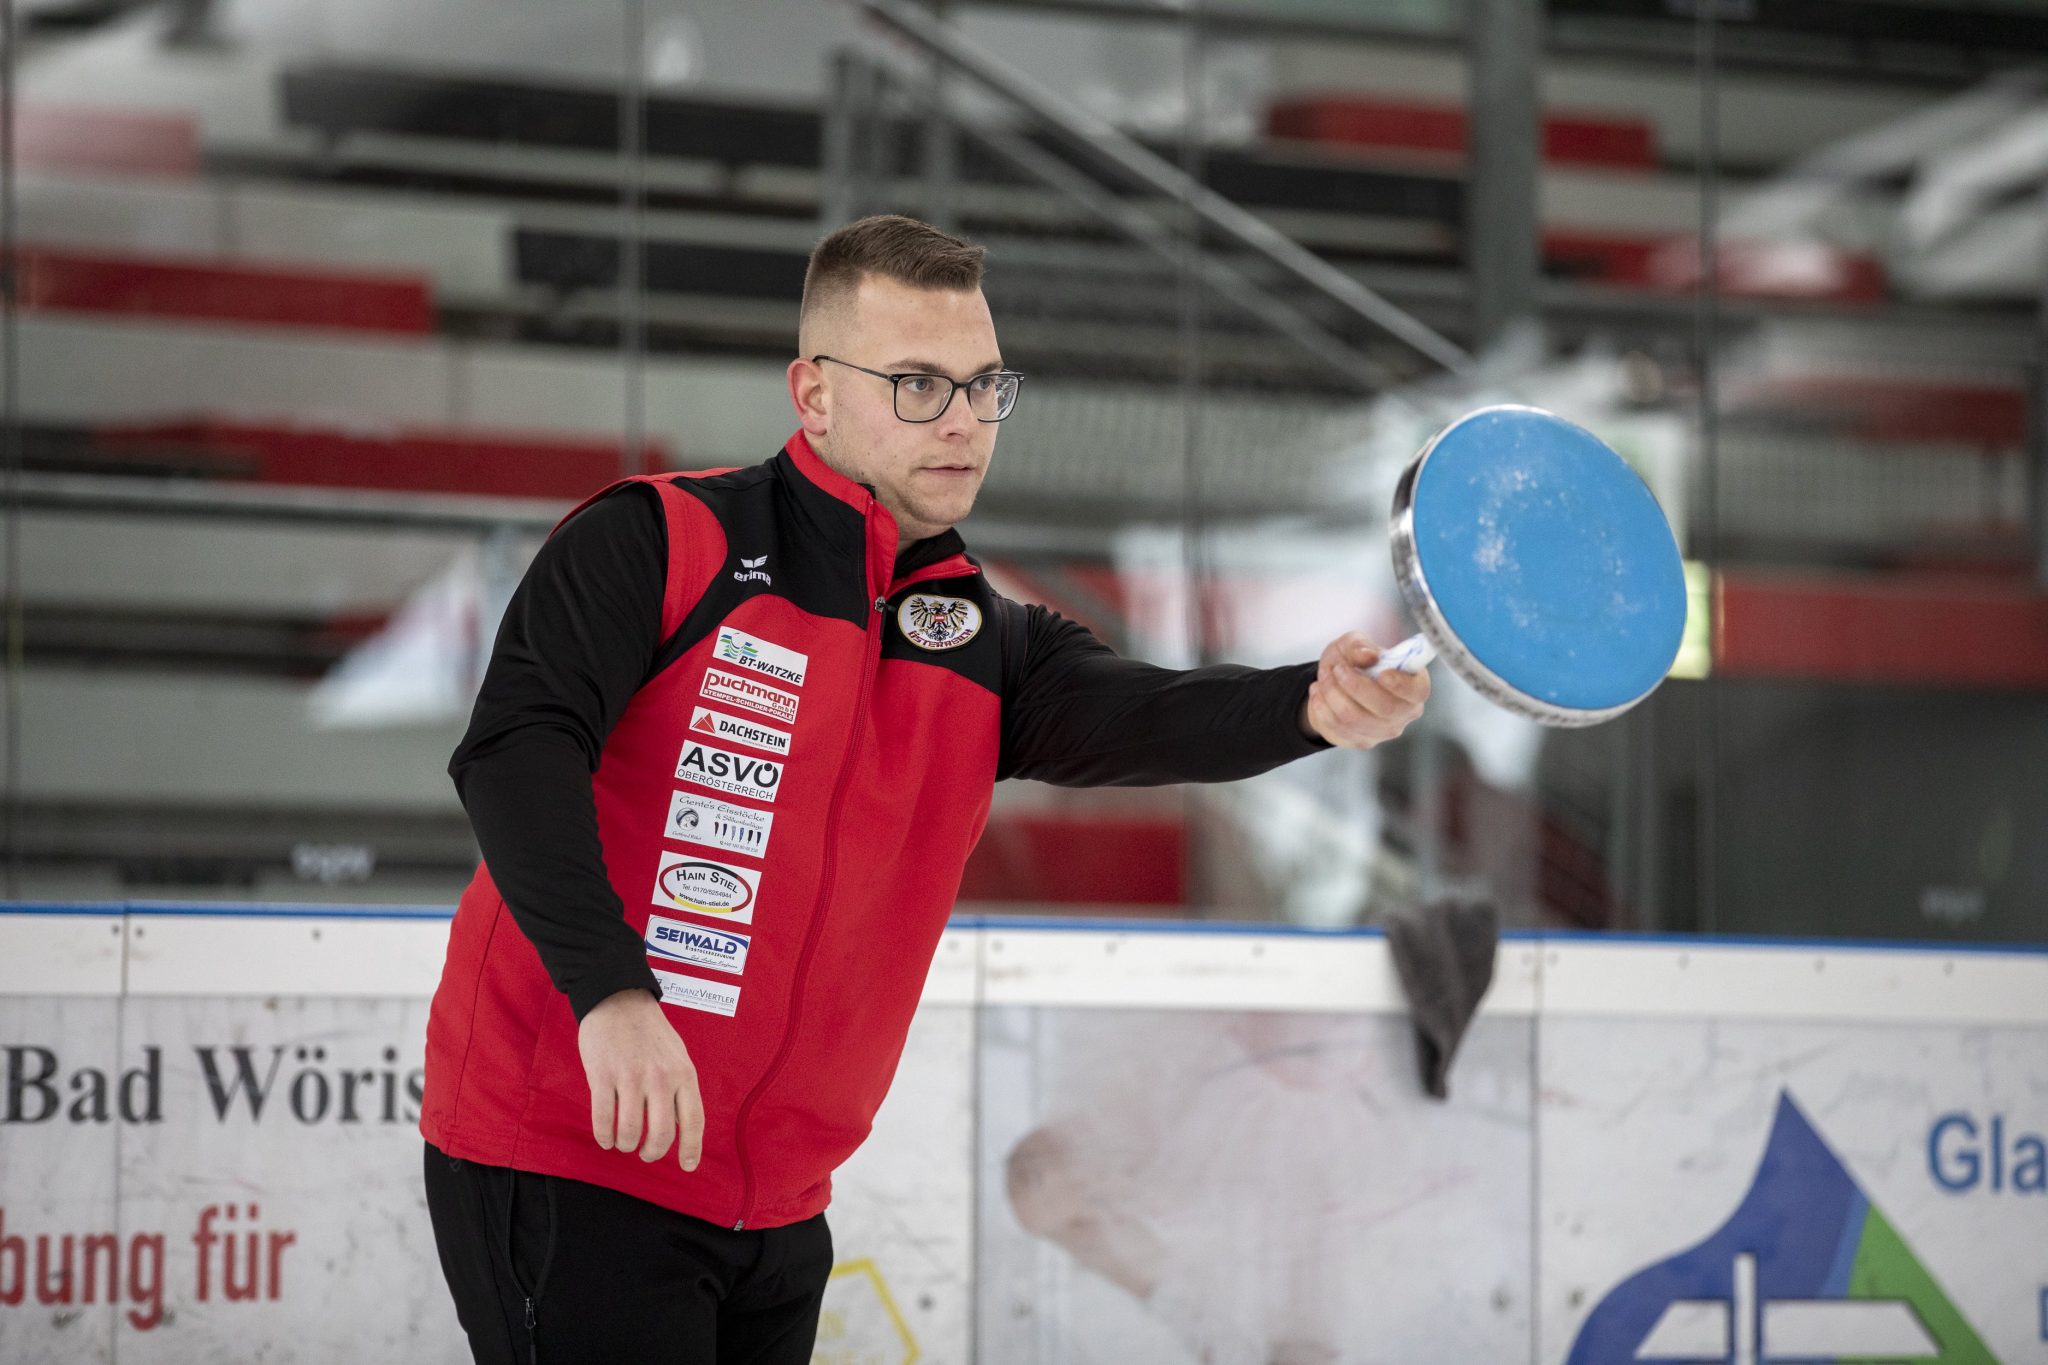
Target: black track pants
{"x": 548, "y": 1271}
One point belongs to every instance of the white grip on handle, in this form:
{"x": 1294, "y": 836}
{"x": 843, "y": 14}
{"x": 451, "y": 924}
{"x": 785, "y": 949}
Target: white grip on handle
{"x": 1412, "y": 655}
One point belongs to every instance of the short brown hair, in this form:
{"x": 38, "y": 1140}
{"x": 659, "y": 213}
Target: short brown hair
{"x": 894, "y": 247}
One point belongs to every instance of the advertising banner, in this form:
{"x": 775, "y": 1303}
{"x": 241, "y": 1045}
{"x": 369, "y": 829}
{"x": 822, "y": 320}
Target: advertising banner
{"x": 192, "y": 1179}
{"x": 1253, "y": 1186}
{"x": 902, "y": 1212}
{"x": 202, "y": 1180}
{"x": 1730, "y": 1191}
{"x": 1104, "y": 1145}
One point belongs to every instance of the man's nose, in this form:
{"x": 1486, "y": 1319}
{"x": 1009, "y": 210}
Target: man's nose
{"x": 959, "y": 413}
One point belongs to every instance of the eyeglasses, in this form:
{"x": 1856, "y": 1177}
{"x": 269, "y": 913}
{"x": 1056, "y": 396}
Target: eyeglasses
{"x": 925, "y": 397}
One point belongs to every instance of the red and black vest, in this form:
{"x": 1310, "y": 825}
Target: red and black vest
{"x": 786, "y": 806}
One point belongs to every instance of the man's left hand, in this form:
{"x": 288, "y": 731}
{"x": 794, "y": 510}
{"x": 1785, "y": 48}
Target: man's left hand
{"x": 1353, "y": 710}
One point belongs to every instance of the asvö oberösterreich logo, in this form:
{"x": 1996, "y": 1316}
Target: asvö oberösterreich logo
{"x": 1805, "y": 1270}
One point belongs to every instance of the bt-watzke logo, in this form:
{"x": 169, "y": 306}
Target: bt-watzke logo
{"x": 761, "y": 656}
{"x": 1806, "y": 1271}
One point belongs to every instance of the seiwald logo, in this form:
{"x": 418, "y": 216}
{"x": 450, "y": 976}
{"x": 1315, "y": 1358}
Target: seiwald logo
{"x": 1805, "y": 1270}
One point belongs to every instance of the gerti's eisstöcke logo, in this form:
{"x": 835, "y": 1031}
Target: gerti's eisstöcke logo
{"x": 1805, "y": 1270}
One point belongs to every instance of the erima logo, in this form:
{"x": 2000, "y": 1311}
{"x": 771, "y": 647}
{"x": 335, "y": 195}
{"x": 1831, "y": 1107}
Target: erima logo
{"x": 750, "y": 571}
{"x": 1806, "y": 1269}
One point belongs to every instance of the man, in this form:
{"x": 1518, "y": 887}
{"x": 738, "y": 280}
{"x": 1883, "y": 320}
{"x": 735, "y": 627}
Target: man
{"x": 745, "y": 725}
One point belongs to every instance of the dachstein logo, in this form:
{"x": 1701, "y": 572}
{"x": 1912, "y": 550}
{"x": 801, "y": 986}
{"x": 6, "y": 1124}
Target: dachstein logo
{"x": 686, "y": 883}
{"x": 740, "y": 774}
{"x": 675, "y": 941}
{"x": 694, "y": 819}
{"x": 748, "y": 695}
{"x": 1805, "y": 1270}
{"x": 762, "y": 656}
{"x": 938, "y": 622}
{"x": 718, "y": 725}
{"x": 750, "y": 571}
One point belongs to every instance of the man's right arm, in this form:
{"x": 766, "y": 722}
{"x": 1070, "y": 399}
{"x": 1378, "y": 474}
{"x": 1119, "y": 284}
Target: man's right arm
{"x": 578, "y": 637}
{"x": 577, "y": 641}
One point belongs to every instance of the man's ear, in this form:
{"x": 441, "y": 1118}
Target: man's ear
{"x": 808, "y": 392}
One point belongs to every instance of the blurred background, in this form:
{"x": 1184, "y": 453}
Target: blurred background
{"x": 320, "y": 313}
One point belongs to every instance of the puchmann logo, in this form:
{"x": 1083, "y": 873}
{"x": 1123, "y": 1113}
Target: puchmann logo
{"x": 1805, "y": 1270}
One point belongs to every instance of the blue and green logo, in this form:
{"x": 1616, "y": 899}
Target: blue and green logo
{"x": 1805, "y": 1270}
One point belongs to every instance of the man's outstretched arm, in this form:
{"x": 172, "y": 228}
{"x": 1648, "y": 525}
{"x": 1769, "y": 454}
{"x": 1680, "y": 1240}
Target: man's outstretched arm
{"x": 1076, "y": 713}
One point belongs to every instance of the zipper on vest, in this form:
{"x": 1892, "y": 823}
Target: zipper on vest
{"x": 871, "y": 655}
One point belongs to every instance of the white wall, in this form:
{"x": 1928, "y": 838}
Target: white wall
{"x": 1243, "y": 1107}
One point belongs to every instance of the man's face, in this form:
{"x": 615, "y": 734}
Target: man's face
{"x": 925, "y": 473}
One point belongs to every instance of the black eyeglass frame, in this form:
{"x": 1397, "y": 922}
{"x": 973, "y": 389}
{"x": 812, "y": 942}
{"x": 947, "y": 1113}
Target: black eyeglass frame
{"x": 895, "y": 402}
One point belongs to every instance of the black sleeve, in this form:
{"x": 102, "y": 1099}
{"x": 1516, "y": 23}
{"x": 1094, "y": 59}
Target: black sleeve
{"x": 1078, "y": 714}
{"x": 578, "y": 638}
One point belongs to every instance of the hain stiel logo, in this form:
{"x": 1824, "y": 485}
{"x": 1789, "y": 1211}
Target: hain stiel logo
{"x": 706, "y": 887}
{"x": 1805, "y": 1270}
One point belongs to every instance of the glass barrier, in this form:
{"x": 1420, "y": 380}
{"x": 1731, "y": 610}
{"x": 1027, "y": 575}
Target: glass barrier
{"x": 322, "y": 313}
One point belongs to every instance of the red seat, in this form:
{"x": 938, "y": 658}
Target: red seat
{"x": 499, "y": 464}
{"x": 1081, "y": 859}
{"x": 74, "y": 138}
{"x": 1881, "y": 407}
{"x": 60, "y": 279}
{"x": 1947, "y": 630}
{"x": 1416, "y": 126}
{"x": 1670, "y": 264}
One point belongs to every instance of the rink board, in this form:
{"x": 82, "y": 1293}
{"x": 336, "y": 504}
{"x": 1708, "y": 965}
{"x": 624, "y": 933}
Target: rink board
{"x": 1105, "y": 1143}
